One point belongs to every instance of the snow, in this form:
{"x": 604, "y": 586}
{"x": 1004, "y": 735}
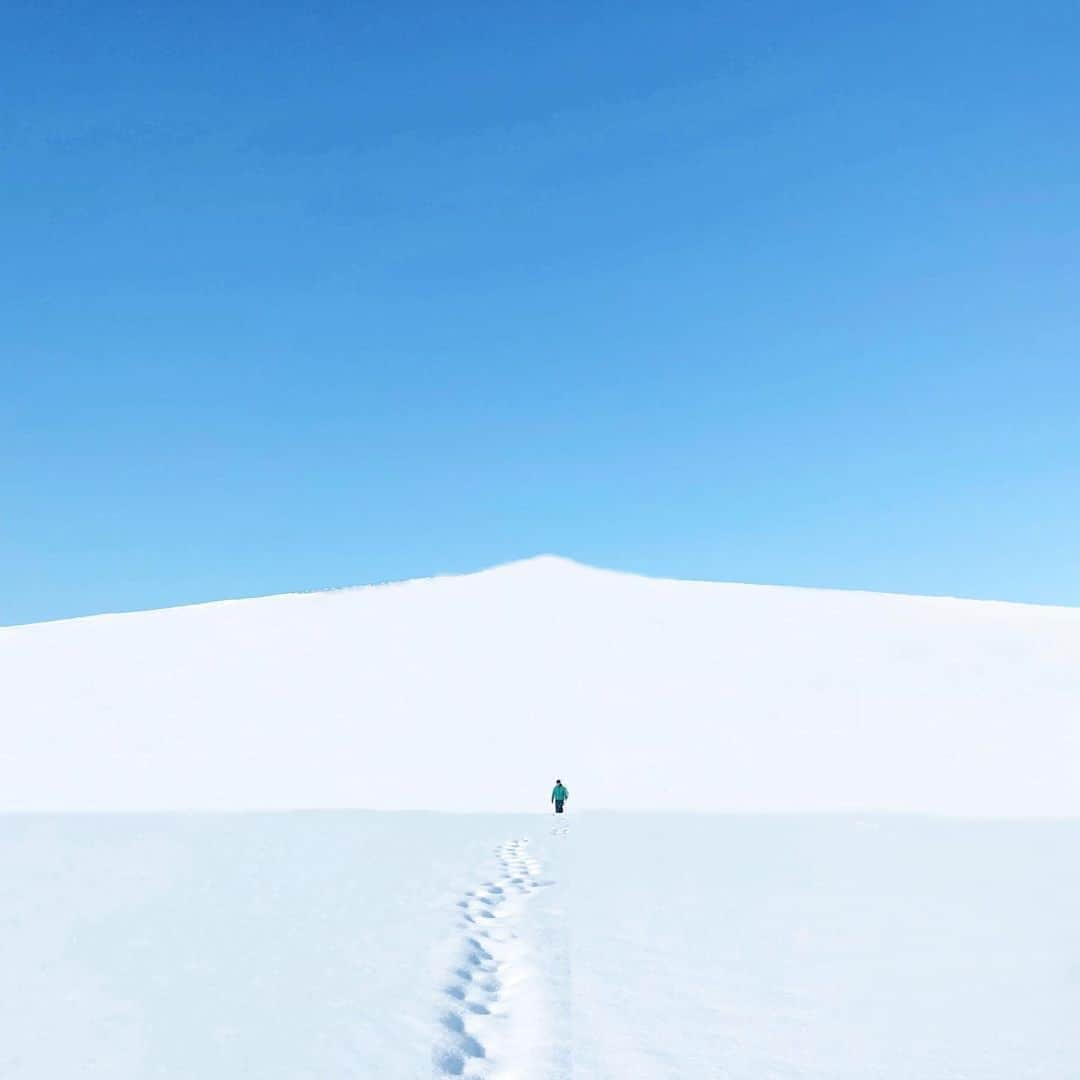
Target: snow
{"x": 833, "y": 947}
{"x": 726, "y": 944}
{"x": 472, "y": 693}
{"x": 653, "y": 946}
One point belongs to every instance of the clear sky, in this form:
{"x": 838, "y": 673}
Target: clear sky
{"x": 303, "y": 295}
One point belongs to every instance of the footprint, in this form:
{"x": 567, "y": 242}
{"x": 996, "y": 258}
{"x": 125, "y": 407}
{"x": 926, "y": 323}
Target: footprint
{"x": 471, "y": 1047}
{"x": 488, "y": 925}
{"x": 453, "y": 1022}
{"x": 450, "y": 1063}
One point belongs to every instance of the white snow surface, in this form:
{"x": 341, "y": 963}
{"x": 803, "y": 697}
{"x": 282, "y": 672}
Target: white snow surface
{"x": 419, "y": 946}
{"x": 475, "y": 692}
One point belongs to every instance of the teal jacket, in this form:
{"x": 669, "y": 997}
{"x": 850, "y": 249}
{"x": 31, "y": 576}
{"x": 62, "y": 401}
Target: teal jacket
{"x": 560, "y": 793}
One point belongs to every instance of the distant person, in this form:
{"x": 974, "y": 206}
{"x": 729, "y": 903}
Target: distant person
{"x": 559, "y": 796}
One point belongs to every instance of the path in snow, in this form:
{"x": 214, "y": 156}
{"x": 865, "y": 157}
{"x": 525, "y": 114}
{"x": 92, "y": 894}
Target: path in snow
{"x": 480, "y": 1033}
{"x": 669, "y": 947}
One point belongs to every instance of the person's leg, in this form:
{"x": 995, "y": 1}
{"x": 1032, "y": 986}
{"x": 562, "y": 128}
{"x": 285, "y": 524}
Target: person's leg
{"x": 558, "y": 806}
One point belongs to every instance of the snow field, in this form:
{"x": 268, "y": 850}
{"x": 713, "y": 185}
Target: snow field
{"x": 653, "y": 946}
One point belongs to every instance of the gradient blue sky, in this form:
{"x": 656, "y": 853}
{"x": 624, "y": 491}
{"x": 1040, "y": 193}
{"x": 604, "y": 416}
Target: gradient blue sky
{"x": 302, "y": 295}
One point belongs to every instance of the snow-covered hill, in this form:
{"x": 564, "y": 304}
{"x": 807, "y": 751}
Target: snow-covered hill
{"x": 475, "y": 692}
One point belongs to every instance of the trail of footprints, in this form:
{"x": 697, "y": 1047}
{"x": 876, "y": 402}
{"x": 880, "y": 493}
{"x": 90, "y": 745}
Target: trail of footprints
{"x": 477, "y": 995}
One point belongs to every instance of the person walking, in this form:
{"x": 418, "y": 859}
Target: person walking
{"x": 559, "y": 796}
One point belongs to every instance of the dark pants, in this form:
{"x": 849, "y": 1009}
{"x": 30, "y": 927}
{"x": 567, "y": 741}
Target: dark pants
{"x": 558, "y": 806}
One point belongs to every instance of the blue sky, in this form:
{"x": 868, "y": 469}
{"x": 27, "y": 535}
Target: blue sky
{"x": 295, "y": 296}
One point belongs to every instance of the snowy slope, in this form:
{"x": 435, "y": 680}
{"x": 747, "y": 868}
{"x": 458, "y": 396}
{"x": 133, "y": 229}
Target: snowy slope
{"x": 474, "y": 692}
